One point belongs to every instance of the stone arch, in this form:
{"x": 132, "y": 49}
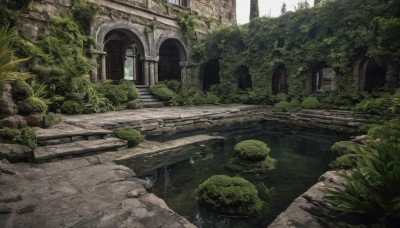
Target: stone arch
{"x": 279, "y": 80}
{"x": 370, "y": 75}
{"x": 137, "y": 35}
{"x": 243, "y": 77}
{"x": 209, "y": 74}
{"x": 178, "y": 42}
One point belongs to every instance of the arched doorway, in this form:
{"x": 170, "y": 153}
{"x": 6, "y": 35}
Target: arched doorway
{"x": 279, "y": 80}
{"x": 323, "y": 78}
{"x": 169, "y": 62}
{"x": 124, "y": 54}
{"x": 210, "y": 74}
{"x": 243, "y": 77}
{"x": 371, "y": 75}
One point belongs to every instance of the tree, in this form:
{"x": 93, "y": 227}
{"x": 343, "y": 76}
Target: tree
{"x": 302, "y": 5}
{"x": 316, "y": 2}
{"x": 283, "y": 9}
{"x": 254, "y": 12}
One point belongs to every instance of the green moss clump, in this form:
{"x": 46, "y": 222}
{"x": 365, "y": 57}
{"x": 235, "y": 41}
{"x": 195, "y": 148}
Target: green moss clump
{"x": 310, "y": 103}
{"x": 229, "y": 195}
{"x": 24, "y": 136}
{"x": 135, "y": 104}
{"x": 130, "y": 88}
{"x": 31, "y": 105}
{"x": 251, "y": 150}
{"x": 133, "y": 136}
{"x": 344, "y": 147}
{"x": 21, "y": 90}
{"x": 163, "y": 93}
{"x": 8, "y": 134}
{"x": 72, "y": 107}
{"x": 347, "y": 161}
{"x": 282, "y": 106}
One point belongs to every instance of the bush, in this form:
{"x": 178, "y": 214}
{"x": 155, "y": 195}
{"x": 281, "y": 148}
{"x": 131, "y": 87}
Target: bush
{"x": 212, "y": 99}
{"x": 344, "y": 148}
{"x": 4, "y": 107}
{"x": 282, "y": 106}
{"x": 117, "y": 94}
{"x": 8, "y": 134}
{"x": 72, "y": 107}
{"x": 27, "y": 137}
{"x": 281, "y": 97}
{"x": 252, "y": 150}
{"x": 130, "y": 88}
{"x": 229, "y": 195}
{"x": 31, "y": 105}
{"x": 294, "y": 106}
{"x": 173, "y": 85}
{"x": 347, "y": 161}
{"x": 376, "y": 106}
{"x": 165, "y": 94}
{"x": 135, "y": 104}
{"x": 310, "y": 103}
{"x": 21, "y": 90}
{"x": 133, "y": 136}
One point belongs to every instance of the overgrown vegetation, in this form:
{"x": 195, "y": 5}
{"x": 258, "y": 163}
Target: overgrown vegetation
{"x": 133, "y": 136}
{"x": 25, "y": 136}
{"x": 229, "y": 195}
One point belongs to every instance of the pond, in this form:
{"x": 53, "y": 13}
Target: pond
{"x": 302, "y": 157}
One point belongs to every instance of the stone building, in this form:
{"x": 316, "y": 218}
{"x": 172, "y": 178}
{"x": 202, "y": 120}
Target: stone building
{"x": 140, "y": 40}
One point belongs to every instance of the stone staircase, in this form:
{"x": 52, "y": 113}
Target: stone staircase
{"x": 147, "y": 97}
{"x": 69, "y": 140}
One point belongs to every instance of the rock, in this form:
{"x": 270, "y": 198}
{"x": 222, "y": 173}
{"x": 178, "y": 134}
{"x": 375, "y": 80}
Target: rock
{"x": 4, "y": 209}
{"x": 35, "y": 119}
{"x": 15, "y": 121}
{"x": 15, "y": 152}
{"x": 12, "y": 197}
{"x": 135, "y": 193}
{"x": 6, "y": 96}
{"x": 5, "y": 169}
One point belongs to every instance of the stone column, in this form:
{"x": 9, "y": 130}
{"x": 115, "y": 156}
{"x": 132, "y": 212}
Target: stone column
{"x": 149, "y": 3}
{"x": 146, "y": 72}
{"x": 152, "y": 76}
{"x": 155, "y": 72}
{"x": 103, "y": 68}
{"x": 184, "y": 75}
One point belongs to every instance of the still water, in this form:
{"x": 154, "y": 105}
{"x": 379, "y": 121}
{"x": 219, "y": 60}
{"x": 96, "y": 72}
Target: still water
{"x": 302, "y": 157}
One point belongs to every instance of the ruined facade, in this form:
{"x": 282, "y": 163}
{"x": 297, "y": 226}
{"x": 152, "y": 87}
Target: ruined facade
{"x": 140, "y": 40}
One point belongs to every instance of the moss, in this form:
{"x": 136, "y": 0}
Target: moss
{"x": 251, "y": 150}
{"x": 282, "y": 106}
{"x": 21, "y": 90}
{"x": 72, "y": 107}
{"x": 310, "y": 103}
{"x": 31, "y": 105}
{"x": 344, "y": 148}
{"x": 135, "y": 104}
{"x": 347, "y": 161}
{"x": 229, "y": 195}
{"x": 134, "y": 137}
{"x": 164, "y": 94}
{"x": 4, "y": 107}
{"x": 130, "y": 88}
{"x": 8, "y": 134}
{"x": 24, "y": 136}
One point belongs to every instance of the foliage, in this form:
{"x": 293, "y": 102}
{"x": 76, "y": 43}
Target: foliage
{"x": 344, "y": 148}
{"x": 372, "y": 191}
{"x": 310, "y": 103}
{"x": 135, "y": 104}
{"x": 96, "y": 102}
{"x": 8, "y": 62}
{"x": 31, "y": 105}
{"x": 374, "y": 105}
{"x": 346, "y": 161}
{"x": 163, "y": 93}
{"x": 229, "y": 195}
{"x": 282, "y": 106}
{"x": 4, "y": 107}
{"x": 27, "y": 137}
{"x": 251, "y": 150}
{"x": 8, "y": 134}
{"x": 187, "y": 24}
{"x": 118, "y": 94}
{"x": 52, "y": 119}
{"x": 134, "y": 137}
{"x": 10, "y": 9}
{"x": 388, "y": 132}
{"x": 84, "y": 13}
{"x": 21, "y": 90}
{"x": 72, "y": 107}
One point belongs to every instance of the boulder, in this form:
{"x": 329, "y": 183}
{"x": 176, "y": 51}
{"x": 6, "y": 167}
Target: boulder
{"x": 6, "y": 96}
{"x": 15, "y": 152}
{"x": 15, "y": 121}
{"x": 35, "y": 119}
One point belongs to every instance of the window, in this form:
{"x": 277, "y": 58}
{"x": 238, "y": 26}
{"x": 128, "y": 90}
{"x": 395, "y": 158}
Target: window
{"x": 179, "y": 2}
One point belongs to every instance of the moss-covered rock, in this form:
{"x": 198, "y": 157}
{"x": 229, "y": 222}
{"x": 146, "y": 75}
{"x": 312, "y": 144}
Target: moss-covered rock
{"x": 229, "y": 195}
{"x": 21, "y": 90}
{"x": 163, "y": 93}
{"x": 72, "y": 107}
{"x": 282, "y": 106}
{"x": 134, "y": 137}
{"x": 344, "y": 147}
{"x": 31, "y": 105}
{"x": 310, "y": 103}
{"x": 347, "y": 161}
{"x": 4, "y": 107}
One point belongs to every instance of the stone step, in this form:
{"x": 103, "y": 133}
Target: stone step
{"x": 150, "y": 99}
{"x": 76, "y": 148}
{"x": 153, "y": 104}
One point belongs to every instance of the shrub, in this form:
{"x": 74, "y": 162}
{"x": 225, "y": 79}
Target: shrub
{"x": 347, "y": 161}
{"x": 173, "y": 85}
{"x": 4, "y": 107}
{"x": 72, "y": 107}
{"x": 388, "y": 132}
{"x": 344, "y": 148}
{"x": 377, "y": 106}
{"x": 251, "y": 150}
{"x": 310, "y": 103}
{"x": 282, "y": 106}
{"x": 31, "y": 105}
{"x": 281, "y": 97}
{"x": 116, "y": 94}
{"x": 21, "y": 90}
{"x": 27, "y": 137}
{"x": 294, "y": 106}
{"x": 130, "y": 88}
{"x": 229, "y": 195}
{"x": 135, "y": 104}
{"x": 212, "y": 99}
{"x": 165, "y": 94}
{"x": 134, "y": 137}
{"x": 8, "y": 134}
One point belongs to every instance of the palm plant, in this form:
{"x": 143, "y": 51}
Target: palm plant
{"x": 8, "y": 62}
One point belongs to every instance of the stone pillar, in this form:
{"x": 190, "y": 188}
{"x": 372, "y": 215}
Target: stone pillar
{"x": 184, "y": 75}
{"x": 149, "y": 3}
{"x": 151, "y": 70}
{"x": 103, "y": 68}
{"x": 146, "y": 72}
{"x": 155, "y": 72}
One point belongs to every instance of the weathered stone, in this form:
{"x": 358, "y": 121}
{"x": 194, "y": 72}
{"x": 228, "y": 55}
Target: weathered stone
{"x": 6, "y": 96}
{"x": 135, "y": 193}
{"x": 14, "y": 152}
{"x": 15, "y": 121}
{"x": 35, "y": 119}
{"x": 4, "y": 209}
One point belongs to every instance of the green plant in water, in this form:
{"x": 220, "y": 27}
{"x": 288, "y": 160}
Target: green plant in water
{"x": 229, "y": 195}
